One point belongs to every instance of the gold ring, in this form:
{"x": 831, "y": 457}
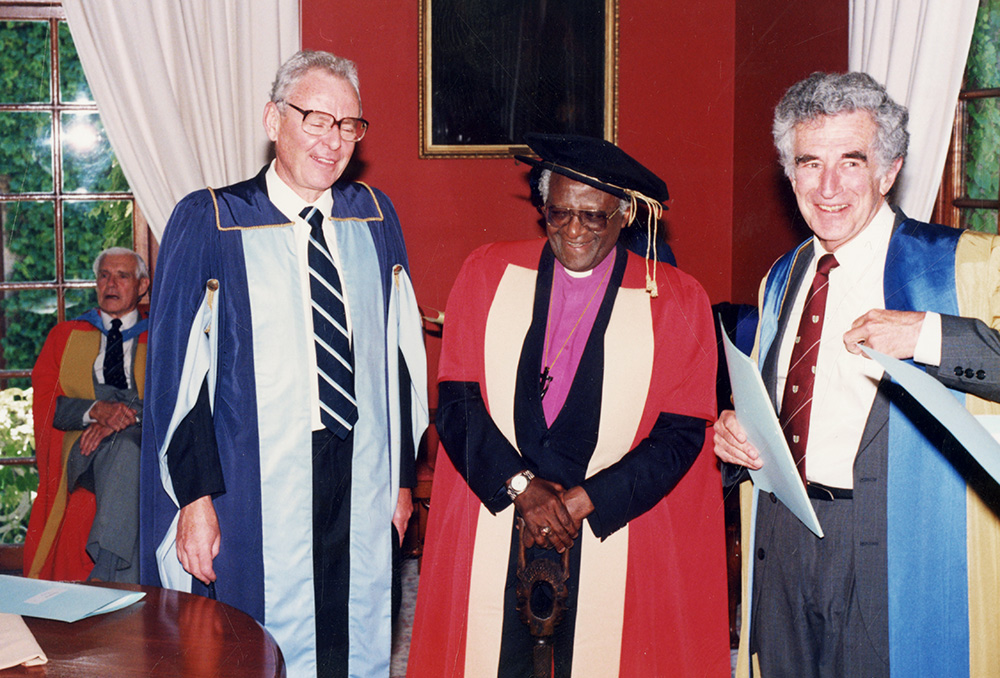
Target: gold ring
{"x": 546, "y": 529}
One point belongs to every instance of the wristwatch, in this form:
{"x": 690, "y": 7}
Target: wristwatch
{"x": 519, "y": 483}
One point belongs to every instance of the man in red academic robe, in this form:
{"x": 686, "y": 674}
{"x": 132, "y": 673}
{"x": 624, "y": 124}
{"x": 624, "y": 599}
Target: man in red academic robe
{"x": 576, "y": 384}
{"x": 88, "y": 383}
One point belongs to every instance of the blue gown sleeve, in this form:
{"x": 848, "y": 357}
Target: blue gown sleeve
{"x": 186, "y": 261}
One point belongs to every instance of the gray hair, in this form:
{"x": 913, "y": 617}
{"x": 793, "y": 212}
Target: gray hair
{"x": 543, "y": 190}
{"x": 827, "y": 94}
{"x": 141, "y": 270}
{"x": 304, "y": 61}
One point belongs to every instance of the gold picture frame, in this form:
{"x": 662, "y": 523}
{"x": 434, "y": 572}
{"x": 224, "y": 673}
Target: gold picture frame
{"x": 507, "y": 68}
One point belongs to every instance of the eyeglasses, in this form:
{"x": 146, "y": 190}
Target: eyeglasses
{"x": 318, "y": 123}
{"x": 558, "y": 217}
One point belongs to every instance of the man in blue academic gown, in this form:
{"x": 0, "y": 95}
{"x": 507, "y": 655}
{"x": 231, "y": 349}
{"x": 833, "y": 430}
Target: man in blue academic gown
{"x": 288, "y": 389}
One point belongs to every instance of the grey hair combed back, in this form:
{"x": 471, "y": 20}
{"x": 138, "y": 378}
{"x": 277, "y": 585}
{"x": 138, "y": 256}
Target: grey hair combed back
{"x": 306, "y": 60}
{"x": 824, "y": 94}
{"x": 141, "y": 270}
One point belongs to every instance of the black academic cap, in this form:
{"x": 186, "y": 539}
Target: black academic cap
{"x": 595, "y": 162}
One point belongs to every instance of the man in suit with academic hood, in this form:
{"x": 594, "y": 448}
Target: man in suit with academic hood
{"x": 88, "y": 384}
{"x": 904, "y": 582}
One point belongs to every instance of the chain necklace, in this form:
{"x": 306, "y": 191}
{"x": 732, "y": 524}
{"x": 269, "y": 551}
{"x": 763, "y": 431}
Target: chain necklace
{"x": 543, "y": 378}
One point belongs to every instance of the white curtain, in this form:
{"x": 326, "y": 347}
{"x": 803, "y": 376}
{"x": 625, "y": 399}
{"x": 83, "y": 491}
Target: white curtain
{"x": 917, "y": 49}
{"x": 181, "y": 87}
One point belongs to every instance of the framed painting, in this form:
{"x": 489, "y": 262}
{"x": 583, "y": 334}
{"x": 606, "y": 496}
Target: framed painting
{"x": 492, "y": 71}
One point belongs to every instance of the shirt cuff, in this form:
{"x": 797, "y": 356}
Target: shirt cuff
{"x": 928, "y": 348}
{"x": 87, "y": 419}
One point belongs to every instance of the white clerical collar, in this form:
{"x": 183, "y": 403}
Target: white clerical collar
{"x": 129, "y": 319}
{"x": 872, "y": 239}
{"x": 607, "y": 261}
{"x": 288, "y": 201}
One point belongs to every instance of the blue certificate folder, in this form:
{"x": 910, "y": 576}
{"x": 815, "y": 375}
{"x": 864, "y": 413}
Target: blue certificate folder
{"x": 778, "y": 473}
{"x": 59, "y": 600}
{"x": 978, "y": 434}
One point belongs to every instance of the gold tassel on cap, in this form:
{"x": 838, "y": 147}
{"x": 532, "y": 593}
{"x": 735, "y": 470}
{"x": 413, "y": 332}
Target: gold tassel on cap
{"x": 654, "y": 210}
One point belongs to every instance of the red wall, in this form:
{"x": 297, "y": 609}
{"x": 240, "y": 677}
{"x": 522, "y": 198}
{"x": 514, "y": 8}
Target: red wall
{"x": 777, "y": 44}
{"x": 688, "y": 71}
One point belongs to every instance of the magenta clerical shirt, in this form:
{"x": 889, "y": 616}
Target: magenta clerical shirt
{"x": 575, "y": 301}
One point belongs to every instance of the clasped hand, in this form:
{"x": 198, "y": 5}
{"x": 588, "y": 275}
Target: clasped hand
{"x": 109, "y": 417}
{"x": 552, "y": 514}
{"x": 115, "y": 416}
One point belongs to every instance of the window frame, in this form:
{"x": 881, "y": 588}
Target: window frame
{"x": 953, "y": 204}
{"x": 142, "y": 240}
{"x": 952, "y": 198}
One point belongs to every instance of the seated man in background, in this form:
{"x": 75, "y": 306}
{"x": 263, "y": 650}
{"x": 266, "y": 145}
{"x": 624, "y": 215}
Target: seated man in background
{"x": 88, "y": 383}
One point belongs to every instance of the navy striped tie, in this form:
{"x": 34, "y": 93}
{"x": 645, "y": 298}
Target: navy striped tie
{"x": 114, "y": 357}
{"x": 334, "y": 358}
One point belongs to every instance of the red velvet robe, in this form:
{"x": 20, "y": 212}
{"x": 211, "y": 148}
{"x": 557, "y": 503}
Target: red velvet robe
{"x": 652, "y": 596}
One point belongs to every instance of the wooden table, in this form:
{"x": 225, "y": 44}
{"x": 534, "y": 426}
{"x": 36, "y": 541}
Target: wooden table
{"x": 167, "y": 633}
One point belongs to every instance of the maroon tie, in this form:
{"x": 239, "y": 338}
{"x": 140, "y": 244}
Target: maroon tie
{"x": 797, "y": 401}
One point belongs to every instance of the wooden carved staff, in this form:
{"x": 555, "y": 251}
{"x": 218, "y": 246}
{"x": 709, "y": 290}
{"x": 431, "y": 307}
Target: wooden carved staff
{"x": 541, "y": 601}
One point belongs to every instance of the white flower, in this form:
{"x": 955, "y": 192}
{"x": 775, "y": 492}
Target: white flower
{"x": 17, "y": 433}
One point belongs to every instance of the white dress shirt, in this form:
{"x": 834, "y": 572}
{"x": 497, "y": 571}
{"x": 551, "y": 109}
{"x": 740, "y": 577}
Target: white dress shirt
{"x": 291, "y": 204}
{"x": 845, "y": 383}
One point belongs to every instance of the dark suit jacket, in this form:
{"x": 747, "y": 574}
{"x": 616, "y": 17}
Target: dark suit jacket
{"x": 69, "y": 417}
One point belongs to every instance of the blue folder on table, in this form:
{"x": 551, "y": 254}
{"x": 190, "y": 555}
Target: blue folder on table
{"x": 58, "y": 600}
